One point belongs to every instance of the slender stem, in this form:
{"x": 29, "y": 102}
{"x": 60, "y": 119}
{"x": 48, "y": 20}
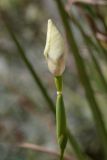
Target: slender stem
{"x": 91, "y": 2}
{"x": 28, "y": 64}
{"x": 38, "y": 81}
{"x": 77, "y": 149}
{"x": 84, "y": 79}
{"x": 38, "y": 148}
{"x": 61, "y": 127}
{"x": 58, "y": 83}
{"x": 88, "y": 42}
{"x": 95, "y": 33}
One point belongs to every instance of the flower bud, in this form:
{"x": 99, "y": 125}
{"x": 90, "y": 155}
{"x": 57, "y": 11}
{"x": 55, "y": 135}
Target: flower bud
{"x": 54, "y": 50}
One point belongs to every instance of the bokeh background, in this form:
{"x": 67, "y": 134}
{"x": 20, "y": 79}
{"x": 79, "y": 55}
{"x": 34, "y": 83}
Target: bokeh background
{"x": 24, "y": 113}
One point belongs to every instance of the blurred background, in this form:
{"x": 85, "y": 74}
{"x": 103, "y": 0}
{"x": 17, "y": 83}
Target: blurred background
{"x": 25, "y": 115}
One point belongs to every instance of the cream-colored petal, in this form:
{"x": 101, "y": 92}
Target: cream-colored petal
{"x": 54, "y": 50}
{"x": 47, "y": 46}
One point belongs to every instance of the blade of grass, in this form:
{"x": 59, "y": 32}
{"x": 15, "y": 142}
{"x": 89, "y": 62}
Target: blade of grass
{"x": 91, "y": 2}
{"x": 97, "y": 67}
{"x": 89, "y": 15}
{"x": 96, "y": 46}
{"x": 73, "y": 142}
{"x": 90, "y": 45}
{"x": 95, "y": 31}
{"x": 78, "y": 151}
{"x": 29, "y": 65}
{"x": 84, "y": 79}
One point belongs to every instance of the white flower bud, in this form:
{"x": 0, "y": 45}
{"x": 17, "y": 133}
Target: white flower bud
{"x": 54, "y": 50}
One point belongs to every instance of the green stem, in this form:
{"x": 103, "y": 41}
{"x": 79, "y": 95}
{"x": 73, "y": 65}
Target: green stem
{"x": 78, "y": 151}
{"x": 61, "y": 124}
{"x": 29, "y": 65}
{"x": 39, "y": 82}
{"x": 89, "y": 43}
{"x": 84, "y": 79}
{"x": 58, "y": 83}
{"x": 61, "y": 127}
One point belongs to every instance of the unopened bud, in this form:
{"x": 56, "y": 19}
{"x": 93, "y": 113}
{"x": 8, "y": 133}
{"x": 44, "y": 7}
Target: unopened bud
{"x": 55, "y": 50}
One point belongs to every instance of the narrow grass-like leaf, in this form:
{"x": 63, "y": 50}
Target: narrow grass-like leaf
{"x": 29, "y": 65}
{"x": 91, "y": 2}
{"x": 90, "y": 45}
{"x": 96, "y": 34}
{"x": 96, "y": 45}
